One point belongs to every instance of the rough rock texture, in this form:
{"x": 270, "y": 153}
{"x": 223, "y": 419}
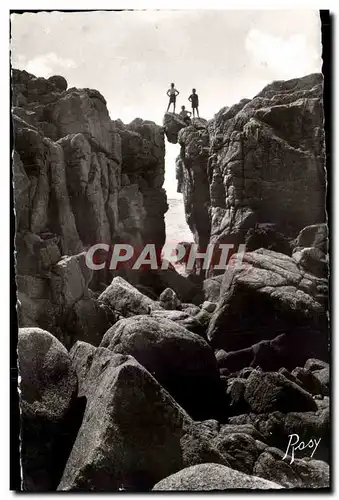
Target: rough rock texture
{"x": 133, "y": 433}
{"x": 268, "y": 354}
{"x": 266, "y": 235}
{"x": 192, "y": 178}
{"x": 82, "y": 355}
{"x": 239, "y": 448}
{"x": 212, "y": 477}
{"x": 310, "y": 381}
{"x": 211, "y": 288}
{"x": 48, "y": 386}
{"x": 315, "y": 364}
{"x": 323, "y": 376}
{"x": 196, "y": 321}
{"x": 311, "y": 249}
{"x": 186, "y": 290}
{"x": 151, "y": 350}
{"x": 276, "y": 427}
{"x": 172, "y": 125}
{"x": 126, "y": 299}
{"x": 261, "y": 160}
{"x": 268, "y": 392}
{"x": 305, "y": 473}
{"x": 182, "y": 362}
{"x": 143, "y": 165}
{"x": 235, "y": 390}
{"x": 208, "y": 306}
{"x": 79, "y": 179}
{"x": 169, "y": 300}
{"x": 269, "y": 295}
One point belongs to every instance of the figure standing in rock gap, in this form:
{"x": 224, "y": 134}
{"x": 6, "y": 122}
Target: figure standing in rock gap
{"x": 194, "y": 99}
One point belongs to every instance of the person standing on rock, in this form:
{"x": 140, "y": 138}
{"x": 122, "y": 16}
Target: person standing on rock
{"x": 185, "y": 115}
{"x": 194, "y": 99}
{"x": 172, "y": 94}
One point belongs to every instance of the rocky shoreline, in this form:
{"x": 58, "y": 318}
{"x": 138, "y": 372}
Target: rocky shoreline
{"x": 141, "y": 380}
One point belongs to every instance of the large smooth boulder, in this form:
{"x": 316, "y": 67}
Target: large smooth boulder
{"x": 48, "y": 388}
{"x": 266, "y": 295}
{"x": 180, "y": 360}
{"x": 126, "y": 299}
{"x": 133, "y": 433}
{"x": 213, "y": 477}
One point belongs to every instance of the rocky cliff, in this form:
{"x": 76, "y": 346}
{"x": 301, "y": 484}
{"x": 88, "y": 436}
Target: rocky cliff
{"x": 79, "y": 179}
{"x": 261, "y": 160}
{"x": 174, "y": 383}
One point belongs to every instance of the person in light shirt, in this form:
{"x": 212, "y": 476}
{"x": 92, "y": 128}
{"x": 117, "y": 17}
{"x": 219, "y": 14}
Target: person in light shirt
{"x": 172, "y": 93}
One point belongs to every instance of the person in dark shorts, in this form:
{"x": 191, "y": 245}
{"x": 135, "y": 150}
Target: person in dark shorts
{"x": 172, "y": 94}
{"x": 194, "y": 99}
{"x": 185, "y": 115}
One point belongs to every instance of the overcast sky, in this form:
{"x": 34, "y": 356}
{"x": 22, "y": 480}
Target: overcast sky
{"x": 131, "y": 57}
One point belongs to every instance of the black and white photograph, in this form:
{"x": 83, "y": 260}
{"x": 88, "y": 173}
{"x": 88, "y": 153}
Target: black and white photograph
{"x": 170, "y": 177}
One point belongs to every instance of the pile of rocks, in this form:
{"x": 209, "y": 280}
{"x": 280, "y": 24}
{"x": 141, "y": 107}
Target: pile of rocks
{"x": 160, "y": 405}
{"x": 140, "y": 381}
{"x": 148, "y": 409}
